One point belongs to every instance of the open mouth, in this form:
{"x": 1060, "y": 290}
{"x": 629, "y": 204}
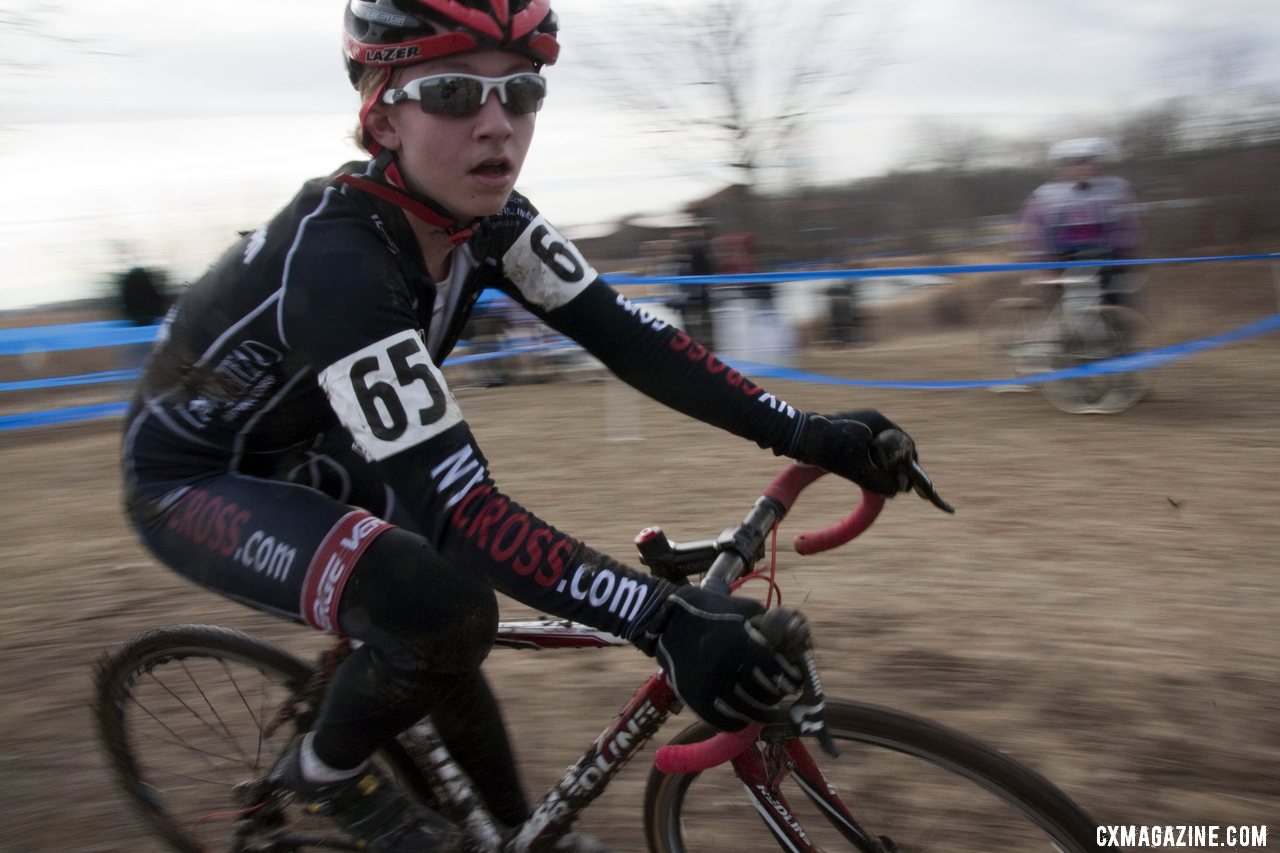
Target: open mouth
{"x": 495, "y": 168}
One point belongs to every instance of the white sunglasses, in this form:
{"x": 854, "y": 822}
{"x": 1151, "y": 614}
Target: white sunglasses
{"x": 464, "y": 94}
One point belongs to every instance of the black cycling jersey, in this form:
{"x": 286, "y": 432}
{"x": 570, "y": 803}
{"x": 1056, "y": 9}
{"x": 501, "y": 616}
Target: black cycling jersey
{"x": 321, "y": 332}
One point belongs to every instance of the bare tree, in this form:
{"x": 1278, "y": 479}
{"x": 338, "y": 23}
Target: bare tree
{"x": 735, "y": 84}
{"x": 20, "y": 30}
{"x": 29, "y": 34}
{"x": 949, "y": 145}
{"x": 1223, "y": 93}
{"x": 1155, "y": 133}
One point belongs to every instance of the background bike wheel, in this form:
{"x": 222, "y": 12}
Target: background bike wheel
{"x": 925, "y": 787}
{"x": 1099, "y": 333}
{"x": 1010, "y": 345}
{"x": 185, "y": 716}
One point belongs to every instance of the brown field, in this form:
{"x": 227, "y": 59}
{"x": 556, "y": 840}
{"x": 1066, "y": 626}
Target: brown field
{"x": 1103, "y": 606}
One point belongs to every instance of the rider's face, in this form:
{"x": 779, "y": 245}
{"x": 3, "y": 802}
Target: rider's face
{"x": 1080, "y": 169}
{"x": 467, "y": 163}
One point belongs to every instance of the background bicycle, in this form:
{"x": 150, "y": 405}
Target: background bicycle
{"x": 510, "y": 346}
{"x": 193, "y": 718}
{"x": 1060, "y": 324}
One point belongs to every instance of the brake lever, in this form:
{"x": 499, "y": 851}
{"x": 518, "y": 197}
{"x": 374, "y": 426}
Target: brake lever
{"x": 923, "y": 486}
{"x": 788, "y": 632}
{"x": 807, "y": 712}
{"x": 895, "y": 451}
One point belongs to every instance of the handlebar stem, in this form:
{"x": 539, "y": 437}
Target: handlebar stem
{"x": 743, "y": 545}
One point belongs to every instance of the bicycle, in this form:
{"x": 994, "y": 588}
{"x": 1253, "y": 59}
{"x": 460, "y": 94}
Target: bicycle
{"x": 1066, "y": 331}
{"x": 505, "y": 345}
{"x": 193, "y": 717}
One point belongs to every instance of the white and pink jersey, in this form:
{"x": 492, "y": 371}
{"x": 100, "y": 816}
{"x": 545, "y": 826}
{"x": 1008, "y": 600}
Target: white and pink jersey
{"x": 1095, "y": 216}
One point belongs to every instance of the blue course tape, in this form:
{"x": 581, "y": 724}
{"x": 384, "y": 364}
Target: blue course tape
{"x": 1124, "y": 364}
{"x": 116, "y": 333}
{"x": 894, "y": 272}
{"x": 62, "y": 416}
{"x": 551, "y": 346}
{"x": 110, "y": 333}
{"x": 63, "y": 381}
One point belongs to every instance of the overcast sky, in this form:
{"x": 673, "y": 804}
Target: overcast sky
{"x": 170, "y": 125}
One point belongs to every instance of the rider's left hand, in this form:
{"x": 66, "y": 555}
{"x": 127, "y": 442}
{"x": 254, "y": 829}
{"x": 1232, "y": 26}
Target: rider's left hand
{"x": 845, "y": 444}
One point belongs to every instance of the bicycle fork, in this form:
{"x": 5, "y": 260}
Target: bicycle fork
{"x": 762, "y": 770}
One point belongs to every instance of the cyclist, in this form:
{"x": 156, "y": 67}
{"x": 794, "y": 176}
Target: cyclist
{"x": 1084, "y": 214}
{"x": 293, "y": 444}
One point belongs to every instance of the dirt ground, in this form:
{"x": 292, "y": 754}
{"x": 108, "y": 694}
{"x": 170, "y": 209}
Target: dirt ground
{"x": 1103, "y": 606}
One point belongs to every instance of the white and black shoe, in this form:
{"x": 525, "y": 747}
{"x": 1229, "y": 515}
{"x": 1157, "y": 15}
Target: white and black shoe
{"x": 378, "y": 816}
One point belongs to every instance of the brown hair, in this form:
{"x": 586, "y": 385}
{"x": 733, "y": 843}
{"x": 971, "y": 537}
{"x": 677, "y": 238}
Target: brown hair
{"x": 367, "y": 85}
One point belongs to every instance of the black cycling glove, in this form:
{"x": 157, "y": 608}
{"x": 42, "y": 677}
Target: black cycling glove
{"x": 845, "y": 444}
{"x": 716, "y": 659}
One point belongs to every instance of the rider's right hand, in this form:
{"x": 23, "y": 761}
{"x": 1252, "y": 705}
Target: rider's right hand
{"x": 717, "y": 659}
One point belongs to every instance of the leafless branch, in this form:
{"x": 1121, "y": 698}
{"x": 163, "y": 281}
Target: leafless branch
{"x": 737, "y": 82}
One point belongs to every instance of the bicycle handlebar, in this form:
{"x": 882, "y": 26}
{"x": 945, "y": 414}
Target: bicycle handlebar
{"x": 788, "y": 485}
{"x": 776, "y": 502}
{"x": 715, "y": 750}
{"x": 793, "y": 480}
{"x": 771, "y": 508}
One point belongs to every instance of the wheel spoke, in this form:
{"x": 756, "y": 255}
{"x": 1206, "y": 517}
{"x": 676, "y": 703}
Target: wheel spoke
{"x": 181, "y": 713}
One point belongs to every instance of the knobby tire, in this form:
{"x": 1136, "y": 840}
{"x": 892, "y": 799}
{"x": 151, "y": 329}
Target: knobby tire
{"x": 925, "y": 787}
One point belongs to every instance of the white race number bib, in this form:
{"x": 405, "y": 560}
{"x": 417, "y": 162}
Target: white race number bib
{"x": 547, "y": 268}
{"x": 390, "y": 395}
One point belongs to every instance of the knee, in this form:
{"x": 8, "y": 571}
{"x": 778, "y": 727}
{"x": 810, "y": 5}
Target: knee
{"x": 413, "y": 605}
{"x": 465, "y": 631}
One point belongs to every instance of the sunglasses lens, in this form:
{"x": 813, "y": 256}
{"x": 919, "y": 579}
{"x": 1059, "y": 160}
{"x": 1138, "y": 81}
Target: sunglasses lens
{"x": 461, "y": 95}
{"x": 525, "y": 94}
{"x": 451, "y": 96}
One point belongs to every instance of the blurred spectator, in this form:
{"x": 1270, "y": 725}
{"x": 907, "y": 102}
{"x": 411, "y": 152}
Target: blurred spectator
{"x": 144, "y": 299}
{"x": 693, "y": 301}
{"x": 847, "y": 325}
{"x": 143, "y": 295}
{"x": 749, "y": 326}
{"x": 1084, "y": 214}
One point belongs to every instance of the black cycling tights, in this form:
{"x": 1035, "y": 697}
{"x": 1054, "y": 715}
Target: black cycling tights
{"x": 357, "y": 718}
{"x": 425, "y": 626}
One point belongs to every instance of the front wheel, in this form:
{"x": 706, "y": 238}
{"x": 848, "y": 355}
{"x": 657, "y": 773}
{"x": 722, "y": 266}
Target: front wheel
{"x": 901, "y": 783}
{"x": 1090, "y": 337}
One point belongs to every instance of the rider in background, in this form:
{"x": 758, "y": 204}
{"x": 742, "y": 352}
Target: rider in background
{"x": 1084, "y": 214}
{"x": 293, "y": 444}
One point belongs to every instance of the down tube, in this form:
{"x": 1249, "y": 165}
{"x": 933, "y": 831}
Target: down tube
{"x": 583, "y": 782}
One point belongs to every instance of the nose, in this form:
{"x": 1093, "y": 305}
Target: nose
{"x": 492, "y": 119}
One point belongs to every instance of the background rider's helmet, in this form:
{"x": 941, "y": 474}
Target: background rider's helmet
{"x": 1091, "y": 148}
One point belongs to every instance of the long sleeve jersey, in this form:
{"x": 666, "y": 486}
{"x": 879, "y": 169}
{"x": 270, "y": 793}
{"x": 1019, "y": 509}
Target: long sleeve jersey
{"x": 1097, "y": 215}
{"x": 326, "y": 317}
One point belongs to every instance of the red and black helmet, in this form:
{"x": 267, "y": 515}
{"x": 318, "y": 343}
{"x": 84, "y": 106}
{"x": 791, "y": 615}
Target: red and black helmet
{"x": 388, "y": 33}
